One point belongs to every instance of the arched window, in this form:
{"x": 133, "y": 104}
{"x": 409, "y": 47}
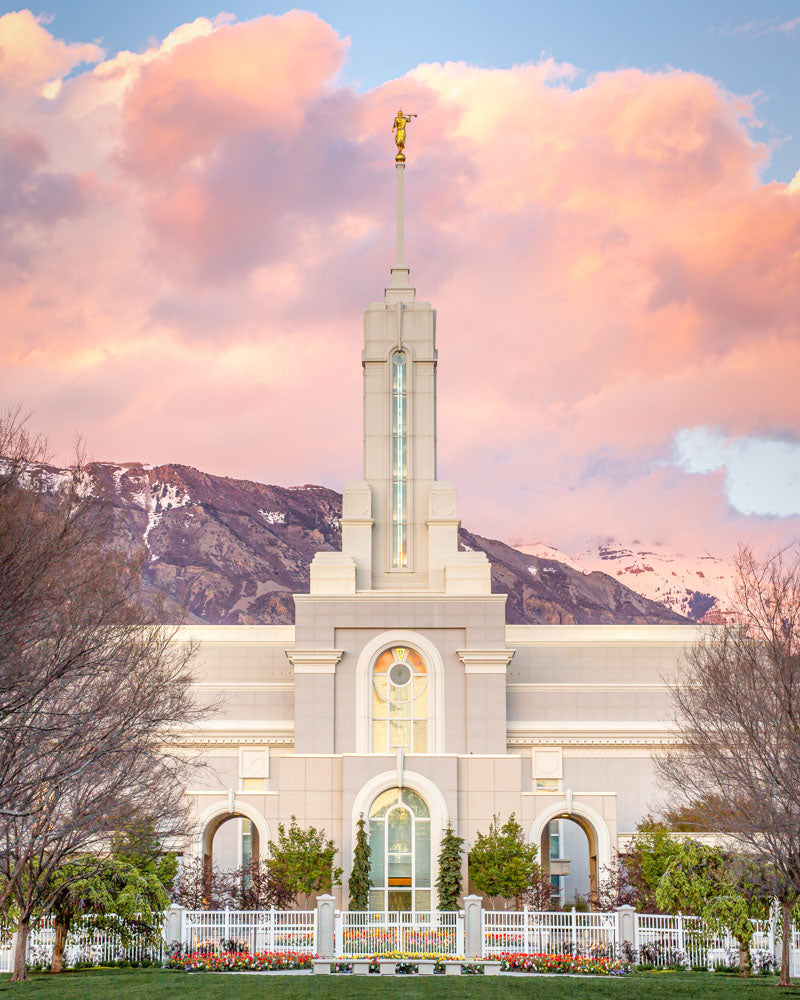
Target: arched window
{"x": 400, "y": 864}
{"x": 399, "y": 702}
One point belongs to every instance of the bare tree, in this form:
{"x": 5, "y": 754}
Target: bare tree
{"x": 92, "y": 688}
{"x": 737, "y": 705}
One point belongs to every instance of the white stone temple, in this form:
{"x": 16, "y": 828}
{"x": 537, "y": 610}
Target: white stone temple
{"x": 401, "y": 694}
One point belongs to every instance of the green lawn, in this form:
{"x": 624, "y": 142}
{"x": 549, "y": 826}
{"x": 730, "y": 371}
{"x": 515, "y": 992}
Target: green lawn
{"x": 125, "y": 984}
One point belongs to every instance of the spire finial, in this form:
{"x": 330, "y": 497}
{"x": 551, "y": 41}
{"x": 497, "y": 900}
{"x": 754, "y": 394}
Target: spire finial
{"x": 399, "y": 129}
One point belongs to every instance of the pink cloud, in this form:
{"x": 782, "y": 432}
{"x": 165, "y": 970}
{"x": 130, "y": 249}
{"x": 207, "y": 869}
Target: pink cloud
{"x": 607, "y": 267}
{"x": 30, "y": 56}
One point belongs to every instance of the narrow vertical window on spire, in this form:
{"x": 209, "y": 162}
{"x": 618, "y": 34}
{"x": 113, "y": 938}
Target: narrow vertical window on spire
{"x": 399, "y": 461}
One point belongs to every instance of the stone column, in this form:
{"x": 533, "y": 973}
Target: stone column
{"x": 473, "y": 926}
{"x": 325, "y": 945}
{"x": 626, "y": 928}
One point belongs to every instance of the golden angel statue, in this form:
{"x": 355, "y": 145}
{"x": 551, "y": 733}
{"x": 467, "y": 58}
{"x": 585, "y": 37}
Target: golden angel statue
{"x": 399, "y": 129}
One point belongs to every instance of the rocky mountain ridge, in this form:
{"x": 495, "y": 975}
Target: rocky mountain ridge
{"x": 230, "y": 551}
{"x": 698, "y": 587}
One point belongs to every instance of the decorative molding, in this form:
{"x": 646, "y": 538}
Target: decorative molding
{"x": 403, "y": 597}
{"x": 485, "y": 661}
{"x": 543, "y": 687}
{"x": 532, "y": 727}
{"x": 220, "y": 792}
{"x": 528, "y": 742}
{"x": 314, "y": 661}
{"x": 244, "y": 685}
{"x": 201, "y": 742}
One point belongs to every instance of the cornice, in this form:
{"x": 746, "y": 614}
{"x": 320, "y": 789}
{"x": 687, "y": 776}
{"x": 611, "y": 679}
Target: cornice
{"x": 536, "y": 740}
{"x": 485, "y": 661}
{"x": 314, "y": 661}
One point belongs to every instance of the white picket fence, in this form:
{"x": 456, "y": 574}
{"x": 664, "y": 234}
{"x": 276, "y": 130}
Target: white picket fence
{"x": 665, "y": 939}
{"x": 374, "y": 933}
{"x": 659, "y": 939}
{"x": 249, "y": 930}
{"x": 549, "y": 932}
{"x": 85, "y": 943}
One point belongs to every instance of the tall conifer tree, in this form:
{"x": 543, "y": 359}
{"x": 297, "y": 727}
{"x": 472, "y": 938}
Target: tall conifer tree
{"x": 448, "y": 883}
{"x": 359, "y": 883}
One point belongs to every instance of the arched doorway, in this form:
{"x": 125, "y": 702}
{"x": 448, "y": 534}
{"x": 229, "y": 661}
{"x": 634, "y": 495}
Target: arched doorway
{"x": 399, "y": 824}
{"x": 220, "y": 818}
{"x": 230, "y": 842}
{"x": 593, "y": 827}
{"x": 566, "y": 848}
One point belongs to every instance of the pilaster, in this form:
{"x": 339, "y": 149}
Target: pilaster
{"x": 485, "y": 687}
{"x": 314, "y": 714}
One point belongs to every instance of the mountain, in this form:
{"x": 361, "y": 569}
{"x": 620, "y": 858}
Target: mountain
{"x": 698, "y": 587}
{"x": 230, "y": 551}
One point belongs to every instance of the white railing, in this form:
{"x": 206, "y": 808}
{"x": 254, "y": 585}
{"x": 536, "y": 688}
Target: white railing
{"x": 663, "y": 939}
{"x": 563, "y": 932}
{"x": 85, "y": 943}
{"x": 658, "y": 939}
{"x": 364, "y": 932}
{"x": 249, "y": 930}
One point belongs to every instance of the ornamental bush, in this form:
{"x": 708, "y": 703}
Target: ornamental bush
{"x": 359, "y": 883}
{"x": 501, "y": 864}
{"x": 448, "y": 884}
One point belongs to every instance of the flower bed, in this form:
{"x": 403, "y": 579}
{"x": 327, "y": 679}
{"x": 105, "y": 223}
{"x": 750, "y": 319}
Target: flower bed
{"x": 377, "y": 940}
{"x": 240, "y": 961}
{"x": 566, "y": 964}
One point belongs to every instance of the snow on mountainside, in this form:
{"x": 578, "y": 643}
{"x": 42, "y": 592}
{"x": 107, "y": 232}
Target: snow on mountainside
{"x": 231, "y": 551}
{"x": 698, "y": 587}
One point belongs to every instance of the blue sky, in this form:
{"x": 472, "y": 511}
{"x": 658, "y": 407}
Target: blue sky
{"x": 751, "y": 48}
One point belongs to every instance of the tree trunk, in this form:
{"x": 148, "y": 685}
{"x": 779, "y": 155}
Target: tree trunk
{"x": 20, "y": 951}
{"x": 745, "y": 964}
{"x": 786, "y": 913}
{"x": 61, "y": 929}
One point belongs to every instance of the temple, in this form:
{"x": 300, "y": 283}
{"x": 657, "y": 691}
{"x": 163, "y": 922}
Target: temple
{"x": 402, "y": 695}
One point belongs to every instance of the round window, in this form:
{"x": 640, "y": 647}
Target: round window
{"x": 399, "y": 358}
{"x": 399, "y": 675}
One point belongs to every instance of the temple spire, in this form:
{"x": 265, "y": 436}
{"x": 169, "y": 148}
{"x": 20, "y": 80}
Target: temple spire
{"x": 400, "y": 271}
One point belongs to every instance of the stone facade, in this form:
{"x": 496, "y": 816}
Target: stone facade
{"x": 401, "y": 693}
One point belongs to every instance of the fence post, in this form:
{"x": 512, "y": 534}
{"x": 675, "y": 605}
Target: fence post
{"x": 681, "y": 939}
{"x": 172, "y": 928}
{"x": 574, "y": 931}
{"x": 526, "y": 931}
{"x": 473, "y": 926}
{"x": 626, "y": 929}
{"x": 271, "y": 931}
{"x": 324, "y": 945}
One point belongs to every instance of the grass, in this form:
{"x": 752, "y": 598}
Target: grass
{"x": 153, "y": 984}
